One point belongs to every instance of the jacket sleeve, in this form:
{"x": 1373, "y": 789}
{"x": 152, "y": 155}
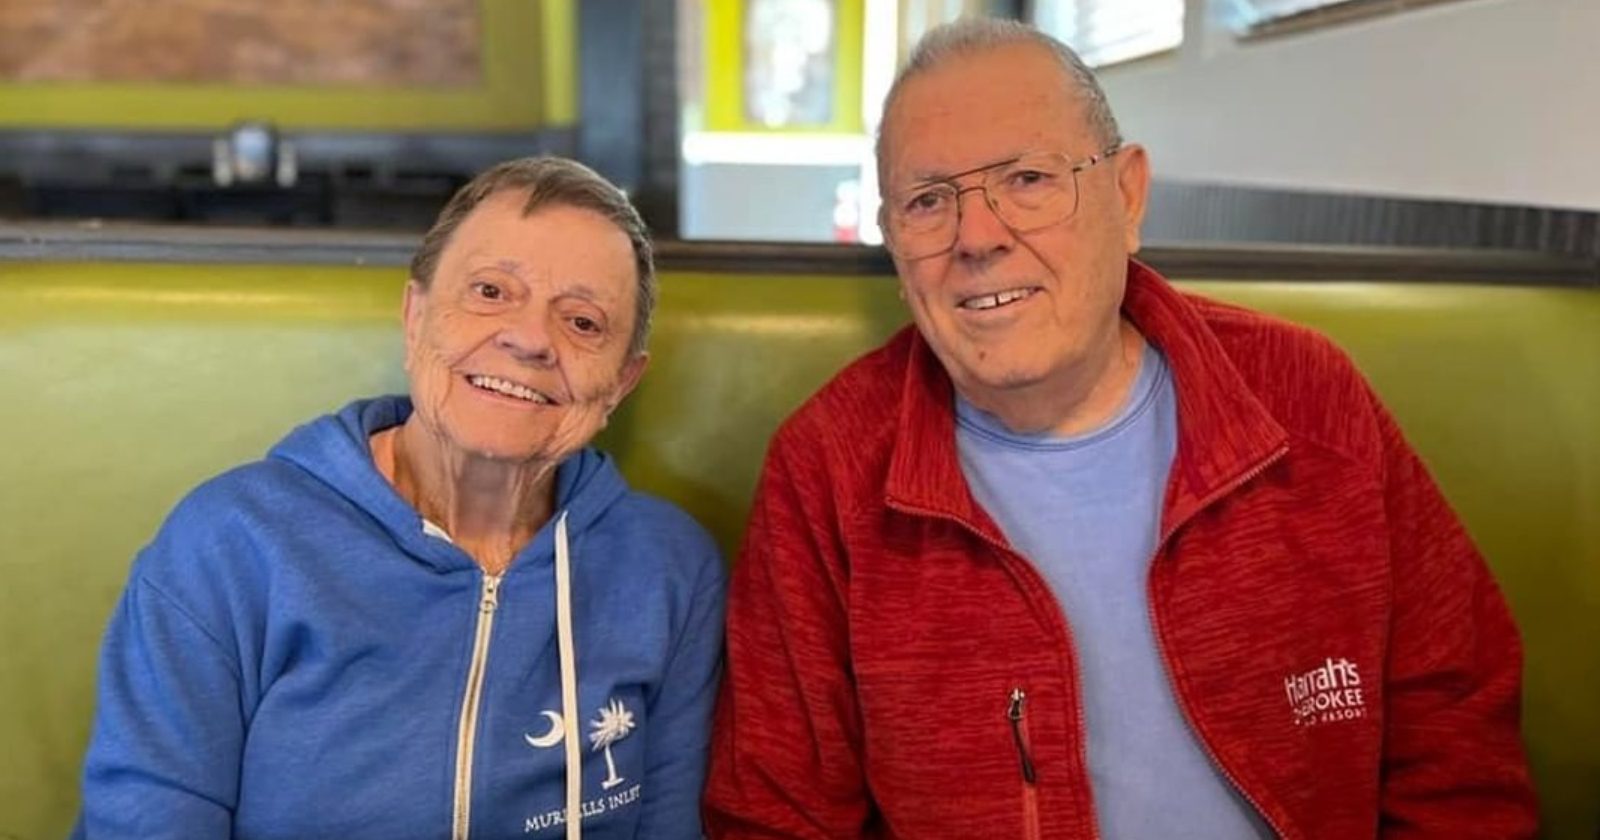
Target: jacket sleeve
{"x": 1453, "y": 762}
{"x": 680, "y": 712}
{"x": 164, "y": 753}
{"x": 787, "y": 744}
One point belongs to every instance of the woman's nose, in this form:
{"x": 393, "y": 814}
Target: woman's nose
{"x": 526, "y": 336}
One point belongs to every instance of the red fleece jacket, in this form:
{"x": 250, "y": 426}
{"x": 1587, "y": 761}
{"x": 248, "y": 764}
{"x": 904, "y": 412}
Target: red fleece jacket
{"x": 1331, "y": 633}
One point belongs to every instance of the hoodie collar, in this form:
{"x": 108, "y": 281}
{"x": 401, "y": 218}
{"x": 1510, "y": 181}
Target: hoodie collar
{"x": 1224, "y": 432}
{"x": 335, "y": 449}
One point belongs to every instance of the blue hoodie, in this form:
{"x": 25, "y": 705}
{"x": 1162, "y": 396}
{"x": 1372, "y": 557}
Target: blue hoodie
{"x": 296, "y": 653}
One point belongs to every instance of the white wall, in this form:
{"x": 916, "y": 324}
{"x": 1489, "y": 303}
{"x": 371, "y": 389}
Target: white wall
{"x": 1480, "y": 100}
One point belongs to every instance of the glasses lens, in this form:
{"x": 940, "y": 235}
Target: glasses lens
{"x": 921, "y": 220}
{"x": 1034, "y": 192}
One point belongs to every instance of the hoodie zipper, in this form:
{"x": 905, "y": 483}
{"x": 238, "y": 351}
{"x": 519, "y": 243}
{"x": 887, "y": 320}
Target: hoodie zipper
{"x": 1030, "y": 780}
{"x": 467, "y": 728}
{"x": 1161, "y": 641}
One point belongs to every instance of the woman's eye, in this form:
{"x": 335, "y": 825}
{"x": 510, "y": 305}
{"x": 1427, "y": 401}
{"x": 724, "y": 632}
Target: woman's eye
{"x": 585, "y": 325}
{"x": 488, "y": 291}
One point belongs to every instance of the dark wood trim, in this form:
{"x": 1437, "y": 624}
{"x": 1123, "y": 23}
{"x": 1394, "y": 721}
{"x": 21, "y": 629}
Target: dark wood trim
{"x": 1190, "y": 261}
{"x": 61, "y": 242}
{"x": 611, "y": 78}
{"x": 1366, "y": 262}
{"x": 93, "y": 156}
{"x": 97, "y": 242}
{"x": 772, "y": 257}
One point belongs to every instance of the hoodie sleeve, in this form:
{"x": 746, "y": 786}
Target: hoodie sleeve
{"x": 680, "y": 712}
{"x": 1453, "y": 761}
{"x": 163, "y": 758}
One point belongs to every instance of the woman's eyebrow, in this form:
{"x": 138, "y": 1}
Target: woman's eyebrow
{"x": 583, "y": 291}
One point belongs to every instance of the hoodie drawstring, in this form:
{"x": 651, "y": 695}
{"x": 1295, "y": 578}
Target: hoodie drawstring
{"x": 569, "y": 683}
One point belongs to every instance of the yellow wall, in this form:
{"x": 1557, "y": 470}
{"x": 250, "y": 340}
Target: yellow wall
{"x": 529, "y": 82}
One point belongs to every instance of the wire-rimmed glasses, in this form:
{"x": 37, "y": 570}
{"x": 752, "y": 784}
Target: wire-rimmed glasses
{"x": 1027, "y": 193}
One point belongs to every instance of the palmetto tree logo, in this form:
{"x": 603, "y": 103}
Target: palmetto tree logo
{"x": 613, "y": 724}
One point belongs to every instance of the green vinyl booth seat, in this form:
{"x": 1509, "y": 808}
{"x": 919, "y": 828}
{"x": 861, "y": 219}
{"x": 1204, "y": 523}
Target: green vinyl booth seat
{"x": 126, "y": 384}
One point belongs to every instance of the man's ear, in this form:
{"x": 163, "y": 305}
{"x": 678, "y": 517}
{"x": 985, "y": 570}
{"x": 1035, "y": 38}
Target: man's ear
{"x": 1133, "y": 183}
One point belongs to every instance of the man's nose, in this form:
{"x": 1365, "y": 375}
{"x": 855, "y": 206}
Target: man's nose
{"x": 979, "y": 230}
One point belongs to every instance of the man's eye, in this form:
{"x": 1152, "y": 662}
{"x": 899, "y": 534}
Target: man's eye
{"x": 585, "y": 324}
{"x": 1028, "y": 178}
{"x": 488, "y": 291}
{"x": 926, "y": 202}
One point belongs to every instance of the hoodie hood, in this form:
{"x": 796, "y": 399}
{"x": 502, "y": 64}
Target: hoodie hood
{"x": 335, "y": 450}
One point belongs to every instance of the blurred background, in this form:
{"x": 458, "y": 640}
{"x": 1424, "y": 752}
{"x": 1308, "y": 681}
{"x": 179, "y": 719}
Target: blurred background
{"x": 1432, "y": 123}
{"x": 207, "y": 208}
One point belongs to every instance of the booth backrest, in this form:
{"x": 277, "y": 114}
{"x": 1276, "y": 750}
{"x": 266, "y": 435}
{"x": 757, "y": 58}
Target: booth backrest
{"x": 126, "y": 384}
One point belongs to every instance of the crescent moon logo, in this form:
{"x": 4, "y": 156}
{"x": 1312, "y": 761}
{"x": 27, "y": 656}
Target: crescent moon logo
{"x": 550, "y": 738}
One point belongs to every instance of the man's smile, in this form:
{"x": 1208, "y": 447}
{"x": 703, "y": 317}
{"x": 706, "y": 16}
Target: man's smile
{"x": 997, "y": 300}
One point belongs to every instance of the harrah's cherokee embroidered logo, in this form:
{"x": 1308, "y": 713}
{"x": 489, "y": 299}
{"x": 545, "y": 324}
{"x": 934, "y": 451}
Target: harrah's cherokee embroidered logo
{"x": 1328, "y": 693}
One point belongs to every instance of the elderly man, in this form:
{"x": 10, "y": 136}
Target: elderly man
{"x": 1081, "y": 555}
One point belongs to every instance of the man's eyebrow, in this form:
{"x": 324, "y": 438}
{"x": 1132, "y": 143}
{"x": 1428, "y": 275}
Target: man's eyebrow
{"x": 926, "y": 177}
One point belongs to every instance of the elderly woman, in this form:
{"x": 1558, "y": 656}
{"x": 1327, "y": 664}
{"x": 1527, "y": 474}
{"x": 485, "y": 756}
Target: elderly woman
{"x": 436, "y": 616}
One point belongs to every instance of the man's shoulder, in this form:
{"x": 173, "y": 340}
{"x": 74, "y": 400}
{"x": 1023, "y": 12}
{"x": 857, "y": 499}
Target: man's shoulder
{"x": 1302, "y": 377}
{"x": 1248, "y": 334}
{"x": 862, "y": 399}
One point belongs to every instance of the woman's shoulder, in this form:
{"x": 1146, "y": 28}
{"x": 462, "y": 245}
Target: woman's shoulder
{"x": 652, "y": 525}
{"x": 214, "y": 528}
{"x": 251, "y": 494}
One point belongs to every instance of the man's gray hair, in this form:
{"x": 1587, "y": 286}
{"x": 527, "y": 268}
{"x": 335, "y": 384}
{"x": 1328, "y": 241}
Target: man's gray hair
{"x": 970, "y": 35}
{"x": 550, "y": 181}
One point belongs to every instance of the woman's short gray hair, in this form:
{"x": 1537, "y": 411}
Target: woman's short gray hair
{"x": 550, "y": 181}
{"x": 970, "y": 35}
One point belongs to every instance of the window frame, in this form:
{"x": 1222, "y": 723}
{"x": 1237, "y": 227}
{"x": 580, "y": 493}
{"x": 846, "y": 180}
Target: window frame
{"x": 1334, "y": 13}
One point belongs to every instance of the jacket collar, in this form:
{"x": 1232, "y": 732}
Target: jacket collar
{"x": 1224, "y": 432}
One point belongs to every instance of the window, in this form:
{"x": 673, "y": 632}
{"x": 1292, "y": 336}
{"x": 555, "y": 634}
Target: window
{"x": 1261, "y": 17}
{"x": 1108, "y": 31}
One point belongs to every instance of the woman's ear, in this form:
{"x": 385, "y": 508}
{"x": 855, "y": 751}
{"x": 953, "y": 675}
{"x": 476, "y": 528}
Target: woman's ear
{"x": 413, "y": 309}
{"x": 632, "y": 371}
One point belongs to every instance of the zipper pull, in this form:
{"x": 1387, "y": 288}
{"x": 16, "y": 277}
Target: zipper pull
{"x": 1014, "y": 712}
{"x": 491, "y": 594}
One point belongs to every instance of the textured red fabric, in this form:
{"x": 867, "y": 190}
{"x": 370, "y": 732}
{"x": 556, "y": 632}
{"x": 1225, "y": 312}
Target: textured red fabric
{"x": 1333, "y": 637}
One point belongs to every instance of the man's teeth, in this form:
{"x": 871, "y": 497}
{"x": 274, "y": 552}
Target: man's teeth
{"x": 510, "y": 389}
{"x": 996, "y": 299}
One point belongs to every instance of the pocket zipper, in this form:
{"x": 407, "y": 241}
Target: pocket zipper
{"x": 1030, "y": 776}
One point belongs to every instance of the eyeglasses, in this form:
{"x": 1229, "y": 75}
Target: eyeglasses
{"x": 1027, "y": 193}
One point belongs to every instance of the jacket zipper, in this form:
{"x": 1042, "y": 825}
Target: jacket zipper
{"x": 1030, "y": 779}
{"x": 467, "y": 728}
{"x": 1020, "y": 565}
{"x": 1161, "y": 640}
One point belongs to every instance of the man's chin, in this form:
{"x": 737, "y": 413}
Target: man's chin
{"x": 1002, "y": 381}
